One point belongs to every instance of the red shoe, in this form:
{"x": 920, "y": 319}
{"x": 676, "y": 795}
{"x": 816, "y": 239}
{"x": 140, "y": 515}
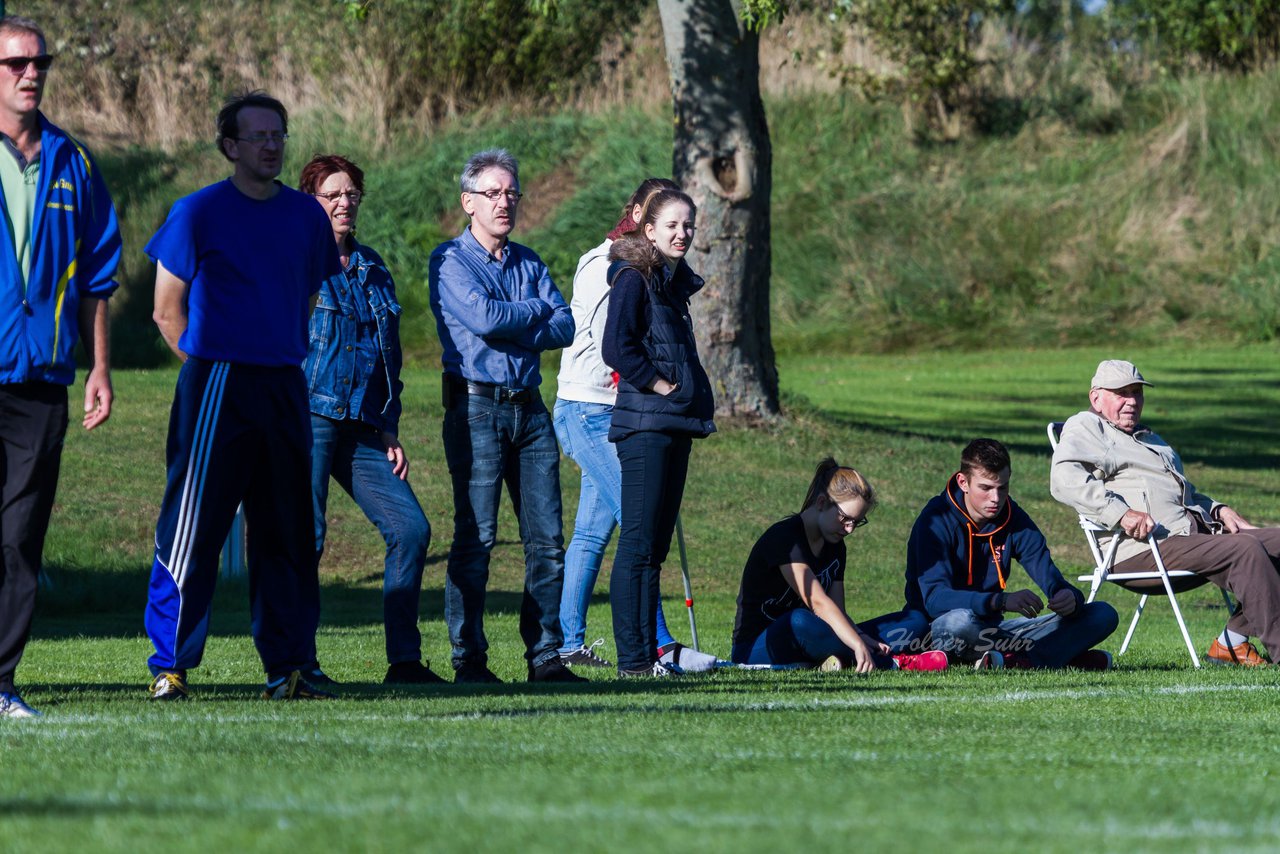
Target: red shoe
{"x": 934, "y": 659}
{"x": 1245, "y": 654}
{"x": 1091, "y": 659}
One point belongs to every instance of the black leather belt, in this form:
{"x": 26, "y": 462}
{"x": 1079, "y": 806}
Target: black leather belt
{"x": 499, "y": 393}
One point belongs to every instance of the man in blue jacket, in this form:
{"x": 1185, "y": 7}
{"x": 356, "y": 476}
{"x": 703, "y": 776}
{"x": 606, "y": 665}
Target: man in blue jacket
{"x": 59, "y": 257}
{"x": 496, "y": 310}
{"x": 959, "y": 561}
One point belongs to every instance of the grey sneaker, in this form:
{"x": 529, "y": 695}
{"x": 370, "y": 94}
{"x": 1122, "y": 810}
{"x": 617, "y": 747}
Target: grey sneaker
{"x": 585, "y": 656}
{"x": 13, "y": 706}
{"x": 657, "y": 671}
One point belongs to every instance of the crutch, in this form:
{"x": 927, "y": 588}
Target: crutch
{"x": 688, "y": 589}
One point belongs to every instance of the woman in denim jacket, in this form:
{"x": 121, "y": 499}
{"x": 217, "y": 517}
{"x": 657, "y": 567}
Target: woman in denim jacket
{"x": 353, "y": 377}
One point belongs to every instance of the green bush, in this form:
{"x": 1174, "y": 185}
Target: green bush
{"x": 1237, "y": 35}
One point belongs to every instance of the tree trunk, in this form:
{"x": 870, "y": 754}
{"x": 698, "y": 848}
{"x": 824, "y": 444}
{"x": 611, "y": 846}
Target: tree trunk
{"x": 723, "y": 159}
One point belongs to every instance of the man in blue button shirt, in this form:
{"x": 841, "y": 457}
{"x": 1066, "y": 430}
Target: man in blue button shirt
{"x": 496, "y": 310}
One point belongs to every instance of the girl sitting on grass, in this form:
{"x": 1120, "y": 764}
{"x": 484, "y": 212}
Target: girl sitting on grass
{"x": 791, "y": 603}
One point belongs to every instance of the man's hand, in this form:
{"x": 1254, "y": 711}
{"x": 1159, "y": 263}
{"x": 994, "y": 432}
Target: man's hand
{"x": 1063, "y": 603}
{"x": 396, "y": 456}
{"x": 97, "y": 397}
{"x": 1233, "y": 522}
{"x": 1024, "y": 602}
{"x": 1137, "y": 525}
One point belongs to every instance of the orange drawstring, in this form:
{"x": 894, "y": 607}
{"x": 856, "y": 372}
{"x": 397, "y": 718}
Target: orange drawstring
{"x": 971, "y": 530}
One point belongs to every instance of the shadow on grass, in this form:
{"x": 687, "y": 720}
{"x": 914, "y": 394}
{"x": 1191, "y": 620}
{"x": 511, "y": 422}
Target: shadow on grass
{"x": 704, "y": 693}
{"x": 1228, "y": 427}
{"x": 111, "y": 604}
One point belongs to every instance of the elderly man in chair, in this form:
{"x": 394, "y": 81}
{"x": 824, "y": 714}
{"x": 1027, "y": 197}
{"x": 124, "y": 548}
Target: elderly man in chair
{"x": 1112, "y": 469}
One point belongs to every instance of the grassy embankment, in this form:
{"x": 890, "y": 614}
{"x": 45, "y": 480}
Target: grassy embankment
{"x": 1163, "y": 230}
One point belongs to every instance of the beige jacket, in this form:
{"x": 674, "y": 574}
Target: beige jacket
{"x": 1101, "y": 471}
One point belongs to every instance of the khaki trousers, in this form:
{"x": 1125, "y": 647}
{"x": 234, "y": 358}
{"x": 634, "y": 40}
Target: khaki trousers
{"x": 1246, "y": 565}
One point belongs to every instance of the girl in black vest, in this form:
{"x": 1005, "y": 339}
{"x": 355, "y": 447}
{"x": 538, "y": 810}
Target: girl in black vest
{"x": 664, "y": 402}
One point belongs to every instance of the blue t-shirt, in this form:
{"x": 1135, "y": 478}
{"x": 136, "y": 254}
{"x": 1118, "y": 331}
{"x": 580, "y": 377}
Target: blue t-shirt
{"x": 252, "y": 266}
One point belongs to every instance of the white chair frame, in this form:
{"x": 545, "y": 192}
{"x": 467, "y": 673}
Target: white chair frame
{"x": 1104, "y": 560}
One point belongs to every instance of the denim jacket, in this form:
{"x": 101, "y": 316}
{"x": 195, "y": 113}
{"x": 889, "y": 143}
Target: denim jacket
{"x": 336, "y": 379}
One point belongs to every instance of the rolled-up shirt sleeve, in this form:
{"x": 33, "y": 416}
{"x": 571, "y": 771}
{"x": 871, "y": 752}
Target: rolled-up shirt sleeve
{"x": 463, "y": 296}
{"x": 556, "y": 329}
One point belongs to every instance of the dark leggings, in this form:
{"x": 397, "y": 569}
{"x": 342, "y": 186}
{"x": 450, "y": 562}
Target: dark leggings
{"x": 654, "y": 466}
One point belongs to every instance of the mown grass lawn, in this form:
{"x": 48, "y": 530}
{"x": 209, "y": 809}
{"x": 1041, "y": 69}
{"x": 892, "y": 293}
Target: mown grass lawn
{"x": 1151, "y": 756}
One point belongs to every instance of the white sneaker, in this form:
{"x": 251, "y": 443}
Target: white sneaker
{"x": 990, "y": 660}
{"x": 13, "y": 706}
{"x": 832, "y": 664}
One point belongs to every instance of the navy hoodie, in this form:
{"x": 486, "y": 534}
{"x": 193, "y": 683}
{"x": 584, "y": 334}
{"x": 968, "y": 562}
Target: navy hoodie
{"x": 954, "y": 563}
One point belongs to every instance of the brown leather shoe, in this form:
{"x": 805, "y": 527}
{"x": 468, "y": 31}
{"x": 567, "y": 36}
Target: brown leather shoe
{"x": 1245, "y": 654}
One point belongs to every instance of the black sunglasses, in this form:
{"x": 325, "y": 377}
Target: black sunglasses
{"x": 17, "y": 65}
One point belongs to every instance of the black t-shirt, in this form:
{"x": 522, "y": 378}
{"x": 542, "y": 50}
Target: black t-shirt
{"x": 765, "y": 595}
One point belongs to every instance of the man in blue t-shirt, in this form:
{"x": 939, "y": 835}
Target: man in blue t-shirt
{"x": 238, "y": 267}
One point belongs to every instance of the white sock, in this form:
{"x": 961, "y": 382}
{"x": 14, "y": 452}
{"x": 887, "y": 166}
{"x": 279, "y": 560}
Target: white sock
{"x": 689, "y": 660}
{"x": 1230, "y": 638}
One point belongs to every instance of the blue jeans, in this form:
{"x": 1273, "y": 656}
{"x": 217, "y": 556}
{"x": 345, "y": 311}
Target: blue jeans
{"x": 654, "y": 466}
{"x": 1046, "y": 641}
{"x": 802, "y": 637}
{"x": 354, "y": 454}
{"x": 583, "y": 431}
{"x": 486, "y": 444}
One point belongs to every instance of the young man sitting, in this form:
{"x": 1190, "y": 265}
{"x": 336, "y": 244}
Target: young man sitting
{"x": 958, "y": 566}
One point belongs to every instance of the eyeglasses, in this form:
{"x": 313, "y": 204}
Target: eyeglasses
{"x": 17, "y": 65}
{"x": 513, "y": 196}
{"x": 851, "y": 522}
{"x": 353, "y": 196}
{"x": 264, "y": 138}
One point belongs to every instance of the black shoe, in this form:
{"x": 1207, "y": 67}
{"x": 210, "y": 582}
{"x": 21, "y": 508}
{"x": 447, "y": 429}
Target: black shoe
{"x": 411, "y": 673}
{"x": 316, "y": 676}
{"x": 552, "y": 670}
{"x": 476, "y": 674}
{"x": 294, "y": 687}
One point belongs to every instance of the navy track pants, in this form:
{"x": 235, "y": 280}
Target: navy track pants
{"x": 236, "y": 433}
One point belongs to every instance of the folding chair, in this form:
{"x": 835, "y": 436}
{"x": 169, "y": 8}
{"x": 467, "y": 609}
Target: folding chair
{"x": 1174, "y": 581}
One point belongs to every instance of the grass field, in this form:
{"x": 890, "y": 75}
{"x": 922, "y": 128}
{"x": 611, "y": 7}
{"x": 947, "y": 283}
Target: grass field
{"x": 1152, "y": 756}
